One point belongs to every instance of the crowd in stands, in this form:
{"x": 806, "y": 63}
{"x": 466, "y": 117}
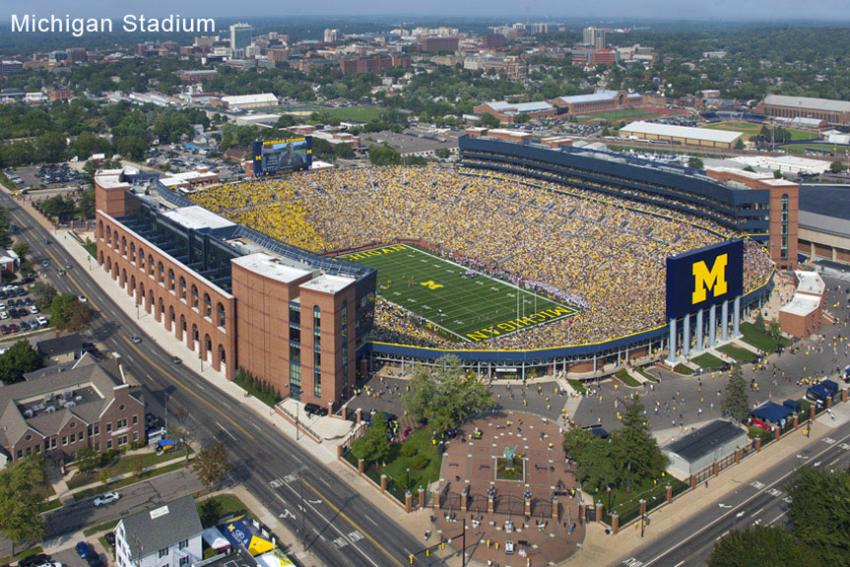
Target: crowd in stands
{"x": 606, "y": 253}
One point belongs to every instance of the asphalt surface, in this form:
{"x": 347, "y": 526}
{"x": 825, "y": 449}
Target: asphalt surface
{"x": 762, "y": 502}
{"x": 333, "y": 521}
{"x": 77, "y": 515}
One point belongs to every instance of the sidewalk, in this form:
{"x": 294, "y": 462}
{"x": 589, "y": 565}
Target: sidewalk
{"x": 601, "y": 549}
{"x": 325, "y": 452}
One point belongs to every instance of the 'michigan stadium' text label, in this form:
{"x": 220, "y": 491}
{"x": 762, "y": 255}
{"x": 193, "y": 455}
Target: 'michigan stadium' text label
{"x": 130, "y": 23}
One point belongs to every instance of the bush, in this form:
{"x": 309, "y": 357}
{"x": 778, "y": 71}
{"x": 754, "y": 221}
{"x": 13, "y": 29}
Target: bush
{"x": 407, "y": 450}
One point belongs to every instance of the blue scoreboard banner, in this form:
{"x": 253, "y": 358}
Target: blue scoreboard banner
{"x": 701, "y": 278}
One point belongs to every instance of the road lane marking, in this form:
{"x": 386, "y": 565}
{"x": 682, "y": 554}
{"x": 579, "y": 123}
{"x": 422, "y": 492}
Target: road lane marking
{"x": 724, "y": 516}
{"x": 227, "y": 431}
{"x": 354, "y": 524}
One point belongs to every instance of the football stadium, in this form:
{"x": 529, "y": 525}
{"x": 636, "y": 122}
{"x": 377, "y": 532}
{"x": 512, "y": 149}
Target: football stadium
{"x": 518, "y": 258}
{"x": 498, "y": 265}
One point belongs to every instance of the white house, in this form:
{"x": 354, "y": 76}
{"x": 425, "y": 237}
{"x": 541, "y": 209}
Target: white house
{"x": 167, "y": 536}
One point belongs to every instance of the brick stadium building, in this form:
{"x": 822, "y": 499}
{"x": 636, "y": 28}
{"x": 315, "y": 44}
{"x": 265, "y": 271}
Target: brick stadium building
{"x": 600, "y": 101}
{"x": 237, "y": 298}
{"x": 830, "y": 111}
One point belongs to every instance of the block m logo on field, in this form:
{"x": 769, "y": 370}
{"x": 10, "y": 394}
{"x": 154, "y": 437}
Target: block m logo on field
{"x": 431, "y": 284}
{"x": 713, "y": 280}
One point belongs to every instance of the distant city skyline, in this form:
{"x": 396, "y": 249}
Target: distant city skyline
{"x": 833, "y": 10}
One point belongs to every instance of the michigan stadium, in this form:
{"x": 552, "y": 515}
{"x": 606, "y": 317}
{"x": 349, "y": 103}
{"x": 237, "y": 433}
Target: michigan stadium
{"x": 517, "y": 256}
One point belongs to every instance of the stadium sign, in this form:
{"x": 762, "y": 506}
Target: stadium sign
{"x": 281, "y": 155}
{"x": 705, "y": 277}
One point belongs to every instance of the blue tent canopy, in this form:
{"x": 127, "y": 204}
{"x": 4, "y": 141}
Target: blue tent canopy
{"x": 821, "y": 391}
{"x": 163, "y": 443}
{"x": 793, "y": 405}
{"x": 772, "y": 412}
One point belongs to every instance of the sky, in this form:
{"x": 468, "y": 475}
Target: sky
{"x": 521, "y": 9}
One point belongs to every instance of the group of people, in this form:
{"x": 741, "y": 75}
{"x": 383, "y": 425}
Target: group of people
{"x": 606, "y": 253}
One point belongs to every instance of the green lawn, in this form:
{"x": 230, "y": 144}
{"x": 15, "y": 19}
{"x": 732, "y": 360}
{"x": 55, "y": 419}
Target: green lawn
{"x": 708, "y": 361}
{"x": 626, "y": 378}
{"x": 470, "y": 309}
{"x": 506, "y": 472}
{"x": 647, "y": 375}
{"x": 125, "y": 464}
{"x": 683, "y": 369}
{"x": 760, "y": 339}
{"x": 803, "y": 148}
{"x": 353, "y": 113}
{"x": 751, "y": 129}
{"x": 22, "y": 555}
{"x": 106, "y": 526}
{"x": 616, "y": 115}
{"x": 427, "y": 471}
{"x": 627, "y": 503}
{"x": 577, "y": 386}
{"x": 216, "y": 507}
{"x": 740, "y": 354}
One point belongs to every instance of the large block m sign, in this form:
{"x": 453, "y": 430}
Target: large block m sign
{"x": 701, "y": 278}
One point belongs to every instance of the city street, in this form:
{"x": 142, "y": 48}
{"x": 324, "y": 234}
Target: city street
{"x": 762, "y": 502}
{"x": 335, "y": 522}
{"x": 77, "y": 515}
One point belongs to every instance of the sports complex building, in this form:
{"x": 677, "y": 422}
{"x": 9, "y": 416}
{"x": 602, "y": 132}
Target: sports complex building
{"x": 303, "y": 317}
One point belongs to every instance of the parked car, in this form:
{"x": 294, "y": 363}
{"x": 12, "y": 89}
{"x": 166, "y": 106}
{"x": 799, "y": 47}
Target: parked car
{"x": 41, "y": 320}
{"x": 34, "y": 560}
{"x": 33, "y": 309}
{"x": 82, "y": 298}
{"x": 106, "y": 498}
{"x": 315, "y": 409}
{"x": 84, "y": 550}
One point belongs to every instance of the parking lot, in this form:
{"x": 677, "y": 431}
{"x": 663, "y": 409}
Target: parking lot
{"x": 17, "y": 312}
{"x": 46, "y": 176}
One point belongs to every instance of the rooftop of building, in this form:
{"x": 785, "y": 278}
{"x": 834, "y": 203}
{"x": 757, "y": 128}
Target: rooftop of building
{"x": 519, "y": 107}
{"x": 801, "y": 305}
{"x": 806, "y": 102}
{"x": 195, "y": 217}
{"x": 48, "y": 399}
{"x": 153, "y": 529}
{"x": 706, "y": 134}
{"x": 810, "y": 282}
{"x": 250, "y": 98}
{"x": 271, "y": 267}
{"x": 327, "y": 283}
{"x": 706, "y": 440}
{"x": 60, "y": 345}
{"x": 598, "y": 96}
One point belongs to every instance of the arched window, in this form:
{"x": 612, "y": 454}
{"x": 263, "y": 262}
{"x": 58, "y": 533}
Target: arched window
{"x": 222, "y": 356}
{"x": 150, "y": 264}
{"x": 132, "y": 251}
{"x": 171, "y": 283}
{"x": 160, "y": 269}
{"x": 207, "y": 306}
{"x": 194, "y": 296}
{"x": 221, "y": 314}
{"x": 141, "y": 258}
{"x": 182, "y": 288}
{"x": 100, "y": 229}
{"x": 109, "y": 235}
{"x": 123, "y": 245}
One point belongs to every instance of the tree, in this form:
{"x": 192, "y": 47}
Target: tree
{"x": 695, "y": 163}
{"x": 820, "y": 512}
{"x": 211, "y": 465}
{"x": 17, "y": 361}
{"x": 593, "y": 456}
{"x": 138, "y": 468}
{"x": 382, "y": 154}
{"x": 634, "y": 448}
{"x": 443, "y": 153}
{"x": 777, "y": 174}
{"x": 373, "y": 446}
{"x": 489, "y": 121}
{"x": 760, "y": 546}
{"x": 837, "y": 167}
{"x": 42, "y": 294}
{"x": 774, "y": 329}
{"x": 87, "y": 459}
{"x": 739, "y": 145}
{"x": 20, "y": 503}
{"x": 735, "y": 400}
{"x": 68, "y": 314}
{"x": 445, "y": 395}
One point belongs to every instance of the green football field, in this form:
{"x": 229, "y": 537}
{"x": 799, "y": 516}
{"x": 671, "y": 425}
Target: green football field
{"x": 469, "y": 308}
